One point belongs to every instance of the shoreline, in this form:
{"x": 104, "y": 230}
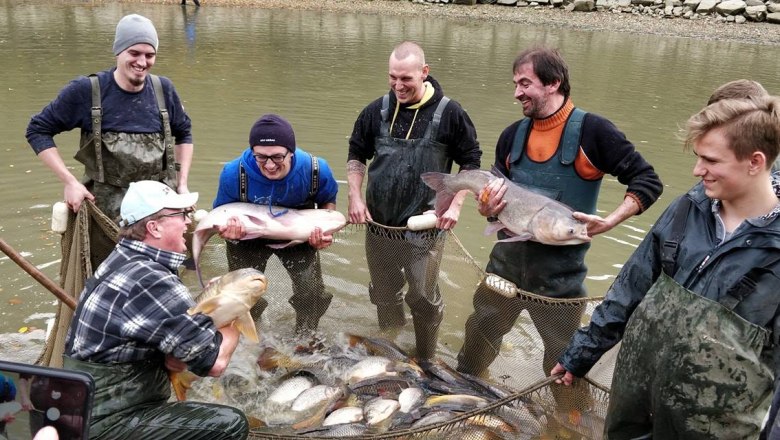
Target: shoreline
{"x": 707, "y": 28}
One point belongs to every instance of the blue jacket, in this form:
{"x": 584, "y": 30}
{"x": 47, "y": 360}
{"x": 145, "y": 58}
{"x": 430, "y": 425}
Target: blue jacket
{"x": 703, "y": 266}
{"x": 292, "y": 191}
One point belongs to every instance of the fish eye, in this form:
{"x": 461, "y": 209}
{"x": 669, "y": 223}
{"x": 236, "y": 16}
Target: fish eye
{"x": 571, "y": 231}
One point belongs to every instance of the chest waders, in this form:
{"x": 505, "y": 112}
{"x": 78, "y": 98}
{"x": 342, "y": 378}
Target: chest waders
{"x": 131, "y": 400}
{"x": 554, "y": 271}
{"x": 394, "y": 191}
{"x": 113, "y": 160}
{"x": 689, "y": 367}
{"x": 120, "y": 387}
{"x": 531, "y": 265}
{"x": 302, "y": 262}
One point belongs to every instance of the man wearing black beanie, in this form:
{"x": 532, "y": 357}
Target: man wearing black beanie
{"x": 273, "y": 172}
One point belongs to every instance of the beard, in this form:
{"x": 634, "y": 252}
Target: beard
{"x": 535, "y": 109}
{"x": 137, "y": 81}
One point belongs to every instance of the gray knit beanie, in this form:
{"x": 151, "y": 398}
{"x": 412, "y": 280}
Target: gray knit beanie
{"x": 134, "y": 29}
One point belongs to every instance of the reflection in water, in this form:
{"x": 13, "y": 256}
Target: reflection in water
{"x": 190, "y": 20}
{"x": 319, "y": 69}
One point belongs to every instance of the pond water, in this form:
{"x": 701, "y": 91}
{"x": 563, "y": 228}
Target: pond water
{"x": 319, "y": 69}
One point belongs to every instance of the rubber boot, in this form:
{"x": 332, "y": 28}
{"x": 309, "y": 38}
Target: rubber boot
{"x": 390, "y": 316}
{"x": 426, "y": 335}
{"x": 477, "y": 354}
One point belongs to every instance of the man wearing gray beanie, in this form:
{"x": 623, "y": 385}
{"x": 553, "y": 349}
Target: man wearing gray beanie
{"x": 133, "y": 127}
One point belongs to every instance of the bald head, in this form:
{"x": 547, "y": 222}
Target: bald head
{"x": 407, "y": 49}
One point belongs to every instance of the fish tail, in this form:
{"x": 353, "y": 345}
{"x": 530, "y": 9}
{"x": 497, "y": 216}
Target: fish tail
{"x": 181, "y": 382}
{"x": 444, "y": 195}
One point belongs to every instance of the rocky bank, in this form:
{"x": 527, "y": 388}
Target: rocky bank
{"x": 725, "y": 20}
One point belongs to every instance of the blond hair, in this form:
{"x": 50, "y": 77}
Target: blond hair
{"x": 738, "y": 89}
{"x": 749, "y": 125}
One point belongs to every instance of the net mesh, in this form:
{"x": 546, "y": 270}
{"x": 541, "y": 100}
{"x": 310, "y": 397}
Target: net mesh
{"x": 75, "y": 268}
{"x": 530, "y": 404}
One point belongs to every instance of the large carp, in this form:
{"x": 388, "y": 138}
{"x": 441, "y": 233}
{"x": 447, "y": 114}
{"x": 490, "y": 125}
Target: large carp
{"x": 292, "y": 226}
{"x": 226, "y": 301}
{"x": 526, "y": 216}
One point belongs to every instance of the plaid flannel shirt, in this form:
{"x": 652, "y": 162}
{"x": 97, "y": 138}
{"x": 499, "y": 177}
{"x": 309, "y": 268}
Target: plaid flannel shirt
{"x": 139, "y": 310}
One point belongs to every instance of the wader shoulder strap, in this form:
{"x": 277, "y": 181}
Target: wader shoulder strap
{"x": 572, "y": 135}
{"x": 670, "y": 247}
{"x": 433, "y": 129}
{"x": 169, "y": 164}
{"x": 315, "y": 178}
{"x": 384, "y": 126}
{"x": 242, "y": 183}
{"x": 97, "y": 121}
{"x": 570, "y": 141}
{"x": 518, "y": 144}
{"x": 746, "y": 285}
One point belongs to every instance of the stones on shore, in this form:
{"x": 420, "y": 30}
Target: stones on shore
{"x": 729, "y": 11}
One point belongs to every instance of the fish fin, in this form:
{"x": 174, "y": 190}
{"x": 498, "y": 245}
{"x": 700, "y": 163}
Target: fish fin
{"x": 353, "y": 340}
{"x": 443, "y": 194}
{"x": 494, "y": 227}
{"x": 284, "y": 245}
{"x": 525, "y": 236}
{"x": 268, "y": 359}
{"x": 246, "y": 326}
{"x": 206, "y": 307}
{"x": 181, "y": 382}
{"x": 254, "y": 422}
{"x": 496, "y": 172}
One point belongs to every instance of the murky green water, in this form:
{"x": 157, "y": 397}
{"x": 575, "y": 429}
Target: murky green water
{"x": 231, "y": 65}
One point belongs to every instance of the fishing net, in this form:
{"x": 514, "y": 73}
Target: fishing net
{"x": 75, "y": 268}
{"x": 529, "y": 405}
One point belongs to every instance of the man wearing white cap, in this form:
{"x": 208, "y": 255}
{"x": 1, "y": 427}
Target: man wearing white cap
{"x": 131, "y": 327}
{"x": 133, "y": 127}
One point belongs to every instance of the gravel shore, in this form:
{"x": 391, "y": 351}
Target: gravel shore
{"x": 704, "y": 28}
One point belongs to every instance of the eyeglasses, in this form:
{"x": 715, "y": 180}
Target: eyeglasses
{"x": 187, "y": 213}
{"x": 276, "y": 158}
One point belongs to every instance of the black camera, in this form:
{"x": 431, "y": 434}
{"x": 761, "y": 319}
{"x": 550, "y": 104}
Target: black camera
{"x": 32, "y": 397}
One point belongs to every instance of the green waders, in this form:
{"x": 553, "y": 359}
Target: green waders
{"x": 131, "y": 402}
{"x": 113, "y": 160}
{"x": 394, "y": 192}
{"x": 689, "y": 368}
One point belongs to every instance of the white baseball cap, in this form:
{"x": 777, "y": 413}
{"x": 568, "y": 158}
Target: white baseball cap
{"x": 147, "y": 197}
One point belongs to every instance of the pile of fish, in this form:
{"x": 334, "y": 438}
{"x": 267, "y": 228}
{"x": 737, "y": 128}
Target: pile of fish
{"x": 362, "y": 386}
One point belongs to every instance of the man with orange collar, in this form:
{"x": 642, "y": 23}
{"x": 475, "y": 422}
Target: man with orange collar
{"x": 562, "y": 152}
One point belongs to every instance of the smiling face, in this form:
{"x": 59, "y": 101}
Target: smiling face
{"x": 723, "y": 175}
{"x": 406, "y": 78}
{"x": 132, "y": 66}
{"x": 538, "y": 100}
{"x": 269, "y": 168}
